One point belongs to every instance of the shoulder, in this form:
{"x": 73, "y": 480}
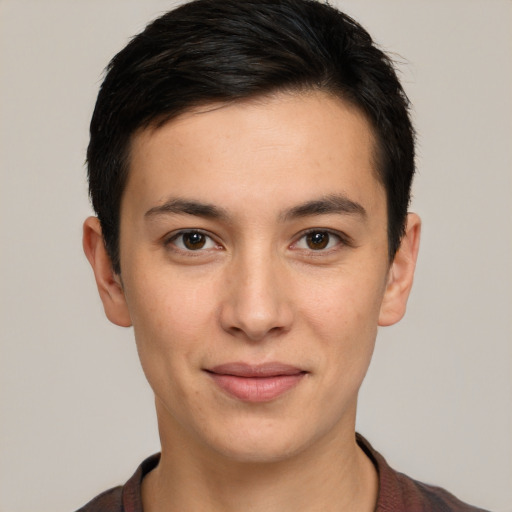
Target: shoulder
{"x": 400, "y": 493}
{"x": 125, "y": 498}
{"x": 420, "y": 497}
{"x": 108, "y": 501}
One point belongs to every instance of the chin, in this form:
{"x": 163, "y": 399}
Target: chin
{"x": 262, "y": 445}
{"x": 259, "y": 453}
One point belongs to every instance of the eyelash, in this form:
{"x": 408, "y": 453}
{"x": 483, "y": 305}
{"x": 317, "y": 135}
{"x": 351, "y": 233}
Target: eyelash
{"x": 342, "y": 240}
{"x": 173, "y": 238}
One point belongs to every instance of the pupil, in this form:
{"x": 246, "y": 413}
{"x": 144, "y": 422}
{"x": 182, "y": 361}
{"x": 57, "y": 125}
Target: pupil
{"x": 194, "y": 240}
{"x": 318, "y": 240}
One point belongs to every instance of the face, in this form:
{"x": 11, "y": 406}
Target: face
{"x": 254, "y": 269}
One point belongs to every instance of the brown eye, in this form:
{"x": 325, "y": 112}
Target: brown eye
{"x": 317, "y": 240}
{"x": 194, "y": 241}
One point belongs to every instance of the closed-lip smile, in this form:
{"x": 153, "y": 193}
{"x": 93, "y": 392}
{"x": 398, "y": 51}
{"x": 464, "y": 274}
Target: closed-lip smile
{"x": 256, "y": 382}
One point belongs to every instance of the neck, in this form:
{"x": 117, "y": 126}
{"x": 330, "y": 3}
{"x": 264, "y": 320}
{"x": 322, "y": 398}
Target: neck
{"x": 333, "y": 476}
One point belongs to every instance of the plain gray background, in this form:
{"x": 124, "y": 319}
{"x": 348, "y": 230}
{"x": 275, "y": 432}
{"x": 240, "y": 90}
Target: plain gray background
{"x": 76, "y": 414}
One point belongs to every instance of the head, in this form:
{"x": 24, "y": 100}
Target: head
{"x": 250, "y": 164}
{"x": 224, "y": 51}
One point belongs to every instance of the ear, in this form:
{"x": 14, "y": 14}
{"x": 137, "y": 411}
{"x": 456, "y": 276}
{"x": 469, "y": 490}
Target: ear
{"x": 108, "y": 282}
{"x": 401, "y": 274}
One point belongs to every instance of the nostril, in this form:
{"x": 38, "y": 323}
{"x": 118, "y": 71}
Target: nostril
{"x": 255, "y": 306}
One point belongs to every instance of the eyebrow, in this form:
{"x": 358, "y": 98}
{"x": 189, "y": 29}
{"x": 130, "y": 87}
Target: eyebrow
{"x": 338, "y": 203}
{"x": 187, "y": 207}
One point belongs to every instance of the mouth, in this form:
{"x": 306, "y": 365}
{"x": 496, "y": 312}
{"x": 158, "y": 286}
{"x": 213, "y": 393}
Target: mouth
{"x": 256, "y": 383}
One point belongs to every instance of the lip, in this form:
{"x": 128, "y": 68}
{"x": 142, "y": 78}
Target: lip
{"x": 256, "y": 383}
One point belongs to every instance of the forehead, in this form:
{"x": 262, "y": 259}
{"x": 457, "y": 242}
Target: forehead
{"x": 300, "y": 144}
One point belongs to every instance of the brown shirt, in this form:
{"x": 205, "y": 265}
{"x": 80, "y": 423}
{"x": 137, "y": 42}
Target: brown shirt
{"x": 397, "y": 492}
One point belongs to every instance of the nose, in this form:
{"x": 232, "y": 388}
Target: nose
{"x": 256, "y": 303}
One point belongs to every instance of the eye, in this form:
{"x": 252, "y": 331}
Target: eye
{"x": 318, "y": 240}
{"x": 192, "y": 241}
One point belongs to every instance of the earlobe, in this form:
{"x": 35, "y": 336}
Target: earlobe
{"x": 108, "y": 282}
{"x": 401, "y": 274}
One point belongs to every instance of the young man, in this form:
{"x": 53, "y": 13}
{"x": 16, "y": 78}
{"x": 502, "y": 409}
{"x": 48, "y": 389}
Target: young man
{"x": 250, "y": 164}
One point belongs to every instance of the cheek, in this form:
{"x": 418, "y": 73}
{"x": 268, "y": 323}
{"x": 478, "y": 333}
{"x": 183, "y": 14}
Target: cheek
{"x": 342, "y": 303}
{"x": 172, "y": 321}
{"x": 342, "y": 314}
{"x": 165, "y": 302}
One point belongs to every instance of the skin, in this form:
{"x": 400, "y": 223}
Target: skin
{"x": 257, "y": 291}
